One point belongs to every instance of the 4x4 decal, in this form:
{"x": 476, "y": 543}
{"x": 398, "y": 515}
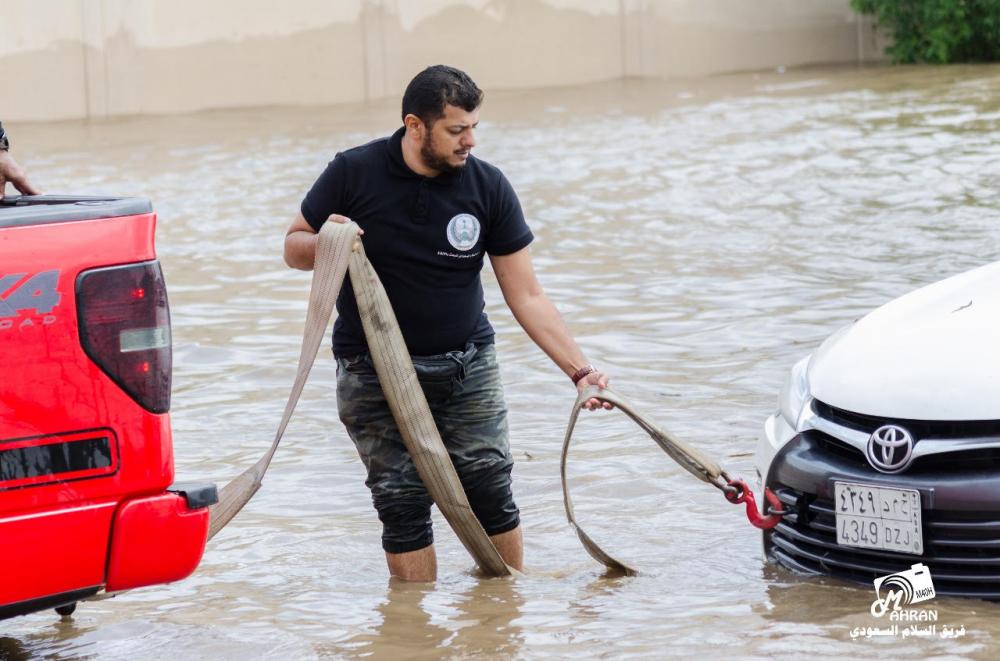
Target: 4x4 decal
{"x": 37, "y": 293}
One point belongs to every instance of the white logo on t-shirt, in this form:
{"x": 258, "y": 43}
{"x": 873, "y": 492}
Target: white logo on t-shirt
{"x": 463, "y": 231}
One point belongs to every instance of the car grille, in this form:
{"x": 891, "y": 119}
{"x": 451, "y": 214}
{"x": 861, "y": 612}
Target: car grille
{"x": 921, "y": 429}
{"x": 846, "y": 452}
{"x": 956, "y": 461}
{"x": 962, "y": 549}
{"x": 960, "y": 461}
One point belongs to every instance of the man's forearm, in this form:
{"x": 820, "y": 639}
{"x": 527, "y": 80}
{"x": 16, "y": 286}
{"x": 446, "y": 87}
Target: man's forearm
{"x": 300, "y": 250}
{"x": 545, "y": 326}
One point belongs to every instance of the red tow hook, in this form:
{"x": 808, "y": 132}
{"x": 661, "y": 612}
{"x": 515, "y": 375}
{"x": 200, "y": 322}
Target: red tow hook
{"x": 741, "y": 493}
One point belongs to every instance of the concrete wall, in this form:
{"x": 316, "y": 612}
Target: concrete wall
{"x": 62, "y": 59}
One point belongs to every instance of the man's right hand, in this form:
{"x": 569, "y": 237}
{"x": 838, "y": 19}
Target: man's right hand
{"x": 337, "y": 218}
{"x": 14, "y": 173}
{"x": 300, "y": 241}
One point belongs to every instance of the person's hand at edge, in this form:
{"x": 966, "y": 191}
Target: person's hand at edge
{"x": 15, "y": 174}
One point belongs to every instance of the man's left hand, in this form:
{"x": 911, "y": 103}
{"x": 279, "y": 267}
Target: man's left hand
{"x": 599, "y": 379}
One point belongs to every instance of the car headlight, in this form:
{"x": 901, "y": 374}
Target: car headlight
{"x": 794, "y": 394}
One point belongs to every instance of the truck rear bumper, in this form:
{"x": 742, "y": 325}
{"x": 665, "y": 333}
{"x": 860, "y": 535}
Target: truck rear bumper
{"x": 158, "y": 539}
{"x": 61, "y": 555}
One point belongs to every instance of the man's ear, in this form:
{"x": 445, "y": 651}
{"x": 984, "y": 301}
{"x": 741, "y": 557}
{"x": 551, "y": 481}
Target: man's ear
{"x": 414, "y": 126}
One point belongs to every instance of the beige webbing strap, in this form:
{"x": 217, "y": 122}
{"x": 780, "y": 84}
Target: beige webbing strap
{"x": 413, "y": 415}
{"x": 693, "y": 460}
{"x": 399, "y": 382}
{"x": 333, "y": 248}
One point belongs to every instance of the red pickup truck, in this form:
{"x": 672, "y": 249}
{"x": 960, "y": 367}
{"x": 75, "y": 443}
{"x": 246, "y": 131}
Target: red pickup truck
{"x": 87, "y": 495}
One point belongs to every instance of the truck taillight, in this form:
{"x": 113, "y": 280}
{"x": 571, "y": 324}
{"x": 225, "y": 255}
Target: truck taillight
{"x": 125, "y": 329}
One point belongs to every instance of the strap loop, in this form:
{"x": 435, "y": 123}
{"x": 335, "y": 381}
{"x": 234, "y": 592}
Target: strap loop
{"x": 689, "y": 458}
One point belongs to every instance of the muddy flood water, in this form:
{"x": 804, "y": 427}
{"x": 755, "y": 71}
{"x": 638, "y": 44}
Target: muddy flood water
{"x": 698, "y": 236}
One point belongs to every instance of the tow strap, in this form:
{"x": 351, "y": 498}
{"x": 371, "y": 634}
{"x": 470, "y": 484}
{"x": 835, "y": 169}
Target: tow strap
{"x": 338, "y": 249}
{"x": 691, "y": 459}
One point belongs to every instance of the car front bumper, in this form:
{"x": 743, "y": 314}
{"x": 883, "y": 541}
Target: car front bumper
{"x": 960, "y": 504}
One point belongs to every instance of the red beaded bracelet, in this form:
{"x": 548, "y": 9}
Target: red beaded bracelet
{"x": 582, "y": 372}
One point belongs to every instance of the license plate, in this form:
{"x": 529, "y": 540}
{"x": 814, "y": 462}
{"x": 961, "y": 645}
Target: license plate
{"x": 882, "y": 518}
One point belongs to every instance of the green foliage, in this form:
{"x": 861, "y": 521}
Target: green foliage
{"x": 938, "y": 31}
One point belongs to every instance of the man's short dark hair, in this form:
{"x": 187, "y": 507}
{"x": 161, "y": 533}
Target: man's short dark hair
{"x": 435, "y": 86}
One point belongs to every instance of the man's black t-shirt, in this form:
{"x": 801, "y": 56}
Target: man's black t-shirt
{"x": 425, "y": 237}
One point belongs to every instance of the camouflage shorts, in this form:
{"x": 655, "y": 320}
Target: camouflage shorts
{"x": 465, "y": 395}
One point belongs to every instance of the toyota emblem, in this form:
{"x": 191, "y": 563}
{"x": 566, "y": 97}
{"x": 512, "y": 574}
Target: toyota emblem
{"x": 890, "y": 449}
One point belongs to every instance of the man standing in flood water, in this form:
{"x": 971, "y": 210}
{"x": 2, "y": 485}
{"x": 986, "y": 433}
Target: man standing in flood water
{"x": 429, "y": 210}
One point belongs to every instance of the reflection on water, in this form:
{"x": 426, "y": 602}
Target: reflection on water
{"x": 416, "y": 621}
{"x": 698, "y": 236}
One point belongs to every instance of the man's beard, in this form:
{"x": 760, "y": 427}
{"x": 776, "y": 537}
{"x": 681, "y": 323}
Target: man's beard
{"x": 433, "y": 160}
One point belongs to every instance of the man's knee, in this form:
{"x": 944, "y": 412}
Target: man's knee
{"x": 406, "y": 522}
{"x": 491, "y": 499}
